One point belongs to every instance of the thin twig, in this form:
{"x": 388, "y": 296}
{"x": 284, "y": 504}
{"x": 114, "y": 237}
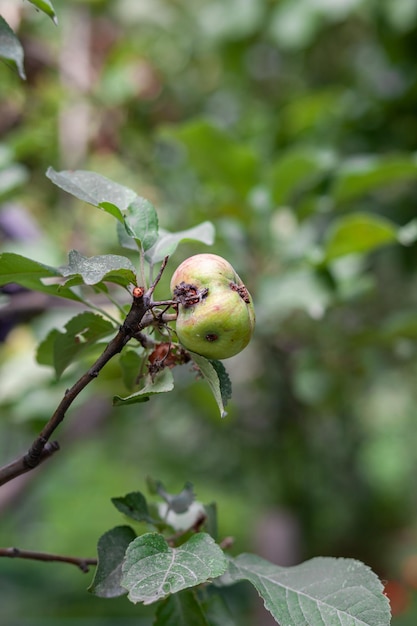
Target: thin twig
{"x": 151, "y": 289}
{"x": 16, "y": 553}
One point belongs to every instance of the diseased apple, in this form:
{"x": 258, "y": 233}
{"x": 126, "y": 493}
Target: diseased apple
{"x": 216, "y": 316}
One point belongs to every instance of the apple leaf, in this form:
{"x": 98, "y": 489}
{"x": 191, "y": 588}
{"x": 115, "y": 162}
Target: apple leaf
{"x": 94, "y": 189}
{"x": 358, "y": 233}
{"x": 134, "y": 505}
{"x": 218, "y": 379}
{"x": 181, "y": 609}
{"x": 153, "y": 570}
{"x": 80, "y": 334}
{"x": 91, "y": 271}
{"x": 162, "y": 383}
{"x": 111, "y": 550}
{"x": 141, "y": 222}
{"x": 167, "y": 243}
{"x": 46, "y": 7}
{"x": 11, "y": 48}
{"x": 362, "y": 175}
{"x": 15, "y": 268}
{"x": 320, "y": 592}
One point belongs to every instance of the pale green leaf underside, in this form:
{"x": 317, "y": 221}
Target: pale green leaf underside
{"x": 167, "y": 243}
{"x": 162, "y": 383}
{"x": 153, "y": 570}
{"x": 319, "y": 592}
{"x": 211, "y": 375}
{"x": 46, "y": 7}
{"x": 11, "y": 48}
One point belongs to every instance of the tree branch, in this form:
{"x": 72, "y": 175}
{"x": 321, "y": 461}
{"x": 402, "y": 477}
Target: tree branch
{"x": 40, "y": 449}
{"x": 15, "y": 553}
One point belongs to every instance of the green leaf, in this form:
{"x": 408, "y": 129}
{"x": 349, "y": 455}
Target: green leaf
{"x": 319, "y": 592}
{"x": 167, "y": 242}
{"x": 11, "y": 48}
{"x": 216, "y": 611}
{"x": 362, "y": 175}
{"x": 46, "y": 7}
{"x": 94, "y": 189}
{"x": 92, "y": 270}
{"x": 134, "y": 505}
{"x": 153, "y": 570}
{"x": 111, "y": 549}
{"x": 15, "y": 268}
{"x": 224, "y": 380}
{"x": 359, "y": 232}
{"x": 141, "y": 222}
{"x": 295, "y": 170}
{"x": 80, "y": 334}
{"x": 181, "y": 609}
{"x": 232, "y": 165}
{"x": 215, "y": 374}
{"x": 162, "y": 383}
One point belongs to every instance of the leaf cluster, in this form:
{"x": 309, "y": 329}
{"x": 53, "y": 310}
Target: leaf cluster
{"x": 182, "y": 571}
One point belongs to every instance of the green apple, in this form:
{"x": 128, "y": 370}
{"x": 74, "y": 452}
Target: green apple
{"x": 216, "y": 316}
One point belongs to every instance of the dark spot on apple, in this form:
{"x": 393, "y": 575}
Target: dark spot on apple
{"x": 189, "y": 295}
{"x": 241, "y": 290}
{"x": 212, "y": 337}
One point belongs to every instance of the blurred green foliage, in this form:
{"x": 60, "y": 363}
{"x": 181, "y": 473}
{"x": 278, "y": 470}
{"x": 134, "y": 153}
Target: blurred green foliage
{"x": 291, "y": 125}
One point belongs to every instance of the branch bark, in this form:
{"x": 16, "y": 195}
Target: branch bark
{"x": 41, "y": 449}
{"x": 16, "y": 553}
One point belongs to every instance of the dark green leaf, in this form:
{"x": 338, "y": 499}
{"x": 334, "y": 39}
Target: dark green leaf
{"x": 107, "y": 267}
{"x": 162, "y": 383}
{"x": 15, "y": 268}
{"x": 153, "y": 570}
{"x": 167, "y": 243}
{"x": 216, "y": 611}
{"x": 363, "y": 175}
{"x": 180, "y": 609}
{"x": 134, "y": 505}
{"x": 319, "y": 592}
{"x": 46, "y": 7}
{"x": 45, "y": 350}
{"x": 111, "y": 548}
{"x": 80, "y": 334}
{"x": 359, "y": 232}
{"x": 11, "y": 48}
{"x": 219, "y": 385}
{"x": 95, "y": 189}
{"x": 141, "y": 222}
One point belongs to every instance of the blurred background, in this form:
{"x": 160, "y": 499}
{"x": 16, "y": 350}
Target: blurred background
{"x": 291, "y": 124}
